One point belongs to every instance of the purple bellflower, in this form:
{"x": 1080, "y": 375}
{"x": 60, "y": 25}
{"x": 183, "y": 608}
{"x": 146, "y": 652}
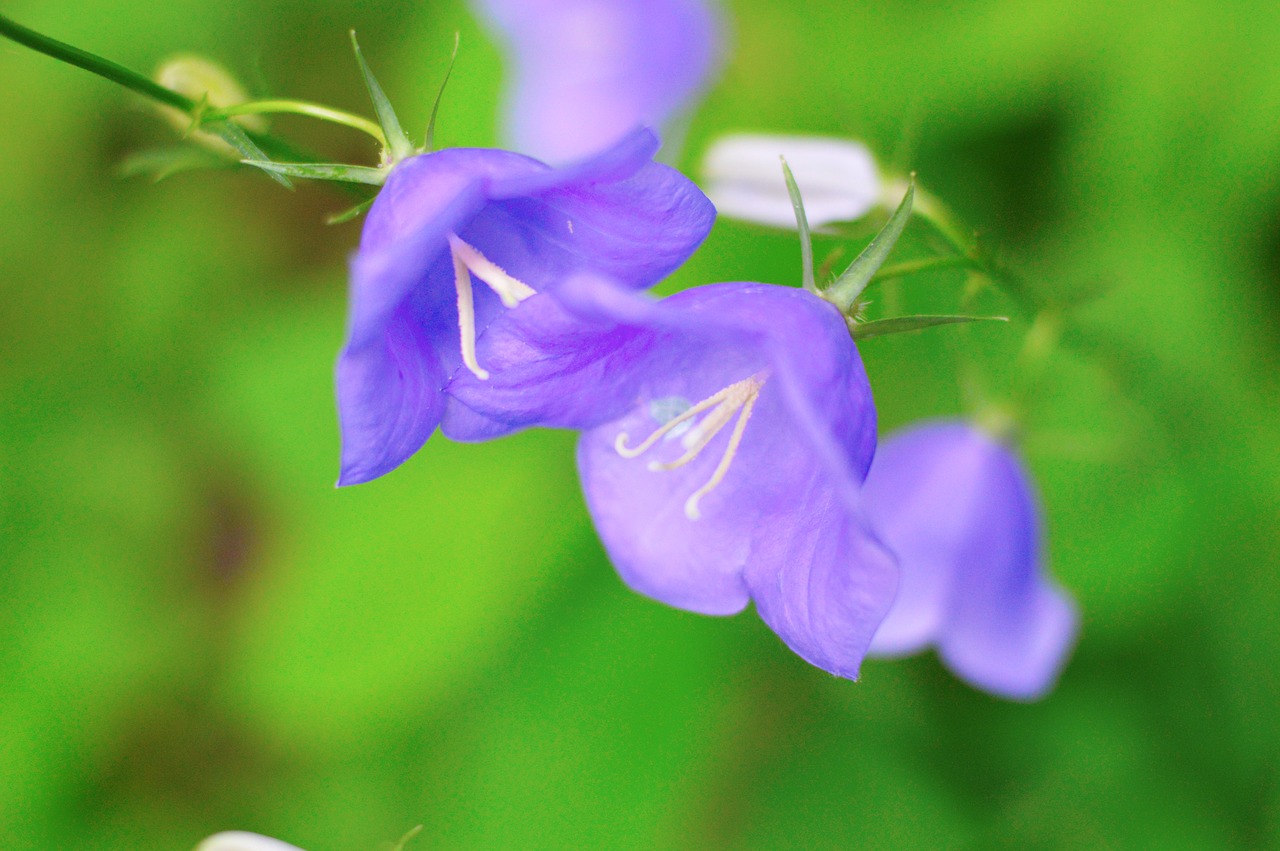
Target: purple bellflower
{"x": 519, "y": 227}
{"x": 959, "y": 512}
{"x": 584, "y": 72}
{"x": 727, "y": 430}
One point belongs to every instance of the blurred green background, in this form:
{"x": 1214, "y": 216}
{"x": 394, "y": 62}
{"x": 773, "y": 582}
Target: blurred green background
{"x": 198, "y": 632}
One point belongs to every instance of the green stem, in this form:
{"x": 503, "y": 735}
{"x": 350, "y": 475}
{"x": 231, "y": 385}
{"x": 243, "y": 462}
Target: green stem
{"x": 298, "y": 107}
{"x": 941, "y": 219}
{"x": 924, "y": 264}
{"x": 132, "y": 80}
{"x": 94, "y": 64}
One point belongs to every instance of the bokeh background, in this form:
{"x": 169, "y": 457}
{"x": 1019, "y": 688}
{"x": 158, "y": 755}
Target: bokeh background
{"x": 198, "y": 632}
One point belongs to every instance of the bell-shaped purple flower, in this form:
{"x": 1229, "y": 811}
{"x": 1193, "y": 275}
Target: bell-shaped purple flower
{"x": 460, "y": 236}
{"x": 959, "y": 512}
{"x": 585, "y": 72}
{"x": 727, "y": 431}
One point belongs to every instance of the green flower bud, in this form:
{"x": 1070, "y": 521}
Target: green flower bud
{"x": 206, "y": 82}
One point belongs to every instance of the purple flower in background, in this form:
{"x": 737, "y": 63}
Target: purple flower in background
{"x": 586, "y": 72}
{"x": 957, "y": 509}
{"x": 727, "y": 431}
{"x": 517, "y": 225}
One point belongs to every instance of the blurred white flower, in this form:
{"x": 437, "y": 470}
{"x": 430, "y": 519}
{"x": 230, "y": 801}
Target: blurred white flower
{"x": 239, "y": 840}
{"x": 838, "y": 178}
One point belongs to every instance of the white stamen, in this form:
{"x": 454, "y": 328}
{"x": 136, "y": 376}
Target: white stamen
{"x": 620, "y": 446}
{"x": 467, "y": 318}
{"x": 507, "y": 288}
{"x": 691, "y": 504}
{"x": 738, "y": 398}
{"x": 511, "y": 291}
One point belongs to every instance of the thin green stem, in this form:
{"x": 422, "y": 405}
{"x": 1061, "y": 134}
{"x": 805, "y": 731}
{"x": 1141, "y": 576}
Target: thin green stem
{"x": 298, "y": 107}
{"x": 924, "y": 264}
{"x": 132, "y": 80}
{"x": 943, "y": 222}
{"x": 94, "y": 64}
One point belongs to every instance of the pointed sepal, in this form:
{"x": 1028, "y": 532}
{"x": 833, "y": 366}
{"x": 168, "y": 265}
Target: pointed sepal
{"x": 158, "y": 164}
{"x": 903, "y": 324}
{"x": 430, "y": 144}
{"x": 802, "y": 225}
{"x": 233, "y": 135}
{"x": 323, "y": 171}
{"x": 398, "y": 145}
{"x": 844, "y": 291}
{"x": 351, "y": 213}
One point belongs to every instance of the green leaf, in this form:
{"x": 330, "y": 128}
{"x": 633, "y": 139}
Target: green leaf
{"x": 160, "y": 163}
{"x": 398, "y": 145}
{"x": 349, "y": 214}
{"x": 844, "y": 292}
{"x": 802, "y": 225}
{"x": 323, "y": 171}
{"x": 902, "y": 324}
{"x": 430, "y": 143}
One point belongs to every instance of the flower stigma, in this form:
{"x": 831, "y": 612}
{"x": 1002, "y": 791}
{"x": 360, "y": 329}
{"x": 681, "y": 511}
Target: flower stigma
{"x": 737, "y": 399}
{"x": 467, "y": 259}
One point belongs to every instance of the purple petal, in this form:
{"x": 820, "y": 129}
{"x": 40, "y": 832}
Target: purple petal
{"x": 557, "y": 360}
{"x": 960, "y": 514}
{"x": 424, "y": 199}
{"x": 618, "y": 213}
{"x": 823, "y": 583}
{"x": 633, "y": 231}
{"x": 585, "y": 72}
{"x": 782, "y": 526}
{"x": 389, "y": 400}
{"x": 389, "y": 373}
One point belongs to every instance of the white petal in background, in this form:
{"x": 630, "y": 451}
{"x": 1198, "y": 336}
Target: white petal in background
{"x": 239, "y": 840}
{"x": 838, "y": 178}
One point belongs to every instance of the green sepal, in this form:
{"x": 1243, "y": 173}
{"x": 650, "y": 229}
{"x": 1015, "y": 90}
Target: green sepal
{"x": 430, "y": 143}
{"x": 233, "y": 135}
{"x": 802, "y": 225}
{"x": 160, "y": 163}
{"x": 903, "y": 324}
{"x": 349, "y": 214}
{"x": 398, "y": 145}
{"x": 844, "y": 291}
{"x": 324, "y": 171}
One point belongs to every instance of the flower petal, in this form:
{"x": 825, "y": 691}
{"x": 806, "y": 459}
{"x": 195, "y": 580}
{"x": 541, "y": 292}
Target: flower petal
{"x": 959, "y": 512}
{"x": 822, "y": 582}
{"x": 838, "y": 178}
{"x": 619, "y": 213}
{"x": 782, "y": 525}
{"x": 389, "y": 399}
{"x": 558, "y": 360}
{"x": 424, "y": 199}
{"x": 585, "y": 72}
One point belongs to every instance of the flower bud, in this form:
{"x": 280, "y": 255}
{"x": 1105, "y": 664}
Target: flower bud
{"x": 838, "y": 178}
{"x": 239, "y": 840}
{"x": 207, "y": 82}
